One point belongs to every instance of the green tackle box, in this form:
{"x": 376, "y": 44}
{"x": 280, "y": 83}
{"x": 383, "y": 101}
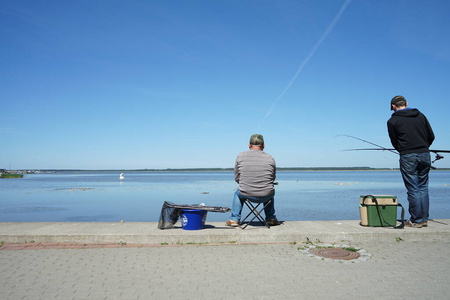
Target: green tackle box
{"x": 383, "y": 215}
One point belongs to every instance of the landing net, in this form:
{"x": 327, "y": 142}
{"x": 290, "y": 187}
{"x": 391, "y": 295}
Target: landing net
{"x": 170, "y": 213}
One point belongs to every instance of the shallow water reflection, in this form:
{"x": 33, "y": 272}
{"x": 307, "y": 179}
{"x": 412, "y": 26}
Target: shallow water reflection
{"x": 102, "y": 196}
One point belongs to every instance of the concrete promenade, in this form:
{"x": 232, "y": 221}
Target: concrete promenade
{"x": 139, "y": 261}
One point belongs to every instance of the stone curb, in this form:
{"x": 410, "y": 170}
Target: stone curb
{"x": 148, "y": 233}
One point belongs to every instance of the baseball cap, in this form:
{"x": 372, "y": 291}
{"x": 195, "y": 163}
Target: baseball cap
{"x": 397, "y": 99}
{"x": 256, "y": 140}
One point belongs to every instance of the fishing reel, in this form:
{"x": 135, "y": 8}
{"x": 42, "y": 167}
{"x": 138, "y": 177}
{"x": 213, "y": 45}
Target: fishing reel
{"x": 438, "y": 157}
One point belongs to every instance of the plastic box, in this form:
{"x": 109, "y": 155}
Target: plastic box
{"x": 385, "y": 215}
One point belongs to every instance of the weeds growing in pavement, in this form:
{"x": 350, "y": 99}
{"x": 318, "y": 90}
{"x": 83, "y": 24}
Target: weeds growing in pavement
{"x": 351, "y": 249}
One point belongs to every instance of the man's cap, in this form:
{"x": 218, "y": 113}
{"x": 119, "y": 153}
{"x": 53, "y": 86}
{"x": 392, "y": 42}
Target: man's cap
{"x": 256, "y": 140}
{"x": 397, "y": 99}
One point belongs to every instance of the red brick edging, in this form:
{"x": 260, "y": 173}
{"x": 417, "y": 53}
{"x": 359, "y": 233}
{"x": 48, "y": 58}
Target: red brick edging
{"x": 40, "y": 246}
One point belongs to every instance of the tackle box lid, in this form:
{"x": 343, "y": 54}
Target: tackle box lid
{"x": 382, "y": 200}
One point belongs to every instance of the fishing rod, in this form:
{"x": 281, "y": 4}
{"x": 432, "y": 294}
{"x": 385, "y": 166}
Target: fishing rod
{"x": 379, "y": 147}
{"x": 436, "y": 152}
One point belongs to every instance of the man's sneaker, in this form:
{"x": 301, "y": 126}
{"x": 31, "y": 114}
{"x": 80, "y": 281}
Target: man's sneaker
{"x": 408, "y": 223}
{"x": 424, "y": 224}
{"x": 232, "y": 223}
{"x": 273, "y": 222}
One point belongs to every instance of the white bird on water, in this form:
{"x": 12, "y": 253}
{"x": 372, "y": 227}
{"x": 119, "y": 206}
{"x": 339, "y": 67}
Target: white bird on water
{"x": 121, "y": 176}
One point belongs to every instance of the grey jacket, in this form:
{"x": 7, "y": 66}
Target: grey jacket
{"x": 255, "y": 172}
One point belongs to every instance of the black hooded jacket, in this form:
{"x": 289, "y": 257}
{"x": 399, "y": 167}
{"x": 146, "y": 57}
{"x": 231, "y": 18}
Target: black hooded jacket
{"x": 410, "y": 131}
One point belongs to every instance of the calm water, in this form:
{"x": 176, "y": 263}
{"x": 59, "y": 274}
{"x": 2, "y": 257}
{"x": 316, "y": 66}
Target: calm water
{"x": 102, "y": 197}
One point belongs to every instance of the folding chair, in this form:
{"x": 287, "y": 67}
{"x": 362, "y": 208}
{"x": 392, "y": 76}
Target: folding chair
{"x": 255, "y": 212}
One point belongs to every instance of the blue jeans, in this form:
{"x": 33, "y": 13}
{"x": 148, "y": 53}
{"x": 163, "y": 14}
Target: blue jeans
{"x": 415, "y": 168}
{"x": 238, "y": 201}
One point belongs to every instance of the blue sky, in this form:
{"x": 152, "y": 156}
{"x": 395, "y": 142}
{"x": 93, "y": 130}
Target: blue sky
{"x": 179, "y": 84}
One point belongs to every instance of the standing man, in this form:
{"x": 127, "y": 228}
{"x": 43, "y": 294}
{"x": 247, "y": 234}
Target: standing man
{"x": 255, "y": 172}
{"x": 411, "y": 135}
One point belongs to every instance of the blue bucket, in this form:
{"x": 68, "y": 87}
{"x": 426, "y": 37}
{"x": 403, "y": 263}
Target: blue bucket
{"x": 193, "y": 219}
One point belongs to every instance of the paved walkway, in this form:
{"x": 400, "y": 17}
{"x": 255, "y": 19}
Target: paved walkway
{"x": 409, "y": 263}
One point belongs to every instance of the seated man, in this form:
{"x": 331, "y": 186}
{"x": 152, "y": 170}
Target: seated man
{"x": 255, "y": 172}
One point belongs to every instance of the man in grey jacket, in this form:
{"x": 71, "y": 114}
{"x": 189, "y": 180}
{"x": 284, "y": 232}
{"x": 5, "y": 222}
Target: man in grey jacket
{"x": 255, "y": 172}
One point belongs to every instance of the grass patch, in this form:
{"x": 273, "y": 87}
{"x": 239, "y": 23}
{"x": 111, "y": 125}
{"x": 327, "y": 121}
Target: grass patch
{"x": 351, "y": 249}
{"x": 324, "y": 247}
{"x": 7, "y": 175}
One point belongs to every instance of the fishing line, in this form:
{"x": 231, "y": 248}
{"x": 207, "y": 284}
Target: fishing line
{"x": 300, "y": 69}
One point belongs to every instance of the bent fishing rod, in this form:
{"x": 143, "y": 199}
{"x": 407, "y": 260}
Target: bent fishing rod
{"x": 436, "y": 152}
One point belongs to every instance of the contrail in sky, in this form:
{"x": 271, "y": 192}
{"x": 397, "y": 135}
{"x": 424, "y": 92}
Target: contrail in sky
{"x": 300, "y": 69}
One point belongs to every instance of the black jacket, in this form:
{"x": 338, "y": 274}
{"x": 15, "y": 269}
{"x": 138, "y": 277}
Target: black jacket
{"x": 410, "y": 131}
